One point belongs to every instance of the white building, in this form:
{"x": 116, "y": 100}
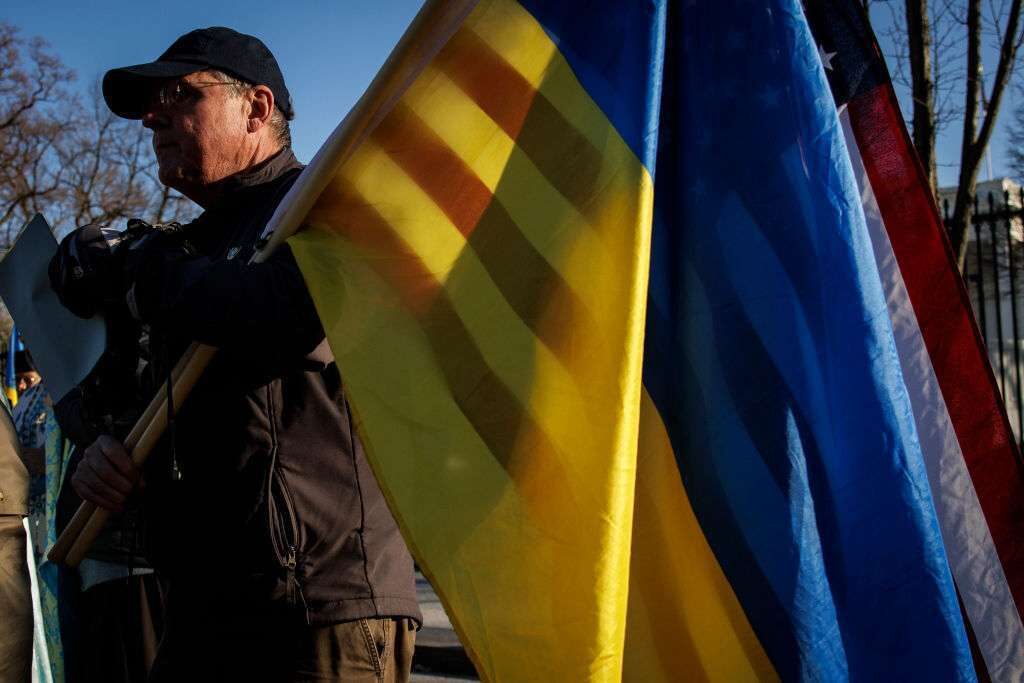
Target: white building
{"x": 998, "y": 295}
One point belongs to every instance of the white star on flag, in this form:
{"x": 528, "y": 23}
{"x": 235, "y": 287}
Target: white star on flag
{"x": 826, "y": 57}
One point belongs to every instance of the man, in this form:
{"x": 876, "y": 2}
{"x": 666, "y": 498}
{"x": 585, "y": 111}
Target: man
{"x": 25, "y": 374}
{"x": 282, "y": 559}
{"x": 15, "y": 593}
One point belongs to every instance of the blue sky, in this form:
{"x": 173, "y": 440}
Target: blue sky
{"x": 948, "y": 143}
{"x": 329, "y": 50}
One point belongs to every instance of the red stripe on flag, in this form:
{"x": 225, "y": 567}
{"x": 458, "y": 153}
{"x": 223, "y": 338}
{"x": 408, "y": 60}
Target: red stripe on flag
{"x": 943, "y": 311}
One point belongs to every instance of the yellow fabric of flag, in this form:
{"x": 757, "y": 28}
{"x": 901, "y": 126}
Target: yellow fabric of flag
{"x": 684, "y": 621}
{"x": 479, "y": 262}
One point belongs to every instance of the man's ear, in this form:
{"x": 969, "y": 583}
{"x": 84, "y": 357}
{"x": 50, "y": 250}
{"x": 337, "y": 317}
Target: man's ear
{"x": 261, "y": 108}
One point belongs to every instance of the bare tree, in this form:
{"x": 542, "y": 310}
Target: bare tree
{"x": 919, "y": 48}
{"x": 32, "y": 84}
{"x": 975, "y": 138}
{"x": 67, "y": 156}
{"x": 943, "y": 45}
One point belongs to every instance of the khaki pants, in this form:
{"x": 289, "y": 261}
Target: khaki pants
{"x": 15, "y": 603}
{"x": 369, "y": 650}
{"x": 214, "y": 646}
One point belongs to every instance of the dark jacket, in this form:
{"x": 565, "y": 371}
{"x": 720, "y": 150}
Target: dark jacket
{"x": 276, "y": 503}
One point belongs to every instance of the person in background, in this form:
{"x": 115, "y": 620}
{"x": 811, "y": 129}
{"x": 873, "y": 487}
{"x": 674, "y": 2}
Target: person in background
{"x": 25, "y": 374}
{"x": 32, "y": 416}
{"x": 15, "y": 587}
{"x": 34, "y": 405}
{"x": 100, "y": 621}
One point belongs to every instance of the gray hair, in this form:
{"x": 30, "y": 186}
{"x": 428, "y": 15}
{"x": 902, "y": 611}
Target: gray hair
{"x": 278, "y": 121}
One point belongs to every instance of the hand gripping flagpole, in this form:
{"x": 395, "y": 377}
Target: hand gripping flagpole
{"x": 406, "y": 61}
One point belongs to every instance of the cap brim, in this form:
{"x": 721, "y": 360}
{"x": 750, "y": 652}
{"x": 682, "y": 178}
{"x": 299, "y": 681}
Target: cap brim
{"x": 126, "y": 90}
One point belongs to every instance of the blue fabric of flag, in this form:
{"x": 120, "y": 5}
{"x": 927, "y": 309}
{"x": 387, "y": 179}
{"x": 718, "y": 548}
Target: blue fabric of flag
{"x": 607, "y": 43}
{"x": 770, "y": 357}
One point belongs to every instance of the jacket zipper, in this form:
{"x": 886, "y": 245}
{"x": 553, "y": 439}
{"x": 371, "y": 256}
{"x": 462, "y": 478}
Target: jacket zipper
{"x": 291, "y": 555}
{"x": 280, "y": 528}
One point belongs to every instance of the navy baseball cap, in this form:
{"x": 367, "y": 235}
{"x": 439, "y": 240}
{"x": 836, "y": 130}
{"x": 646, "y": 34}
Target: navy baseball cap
{"x": 245, "y": 57}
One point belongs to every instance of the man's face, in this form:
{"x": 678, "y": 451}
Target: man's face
{"x": 199, "y": 132}
{"x": 26, "y": 380}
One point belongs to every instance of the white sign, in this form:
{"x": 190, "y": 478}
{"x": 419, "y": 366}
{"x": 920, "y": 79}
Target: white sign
{"x": 64, "y": 347}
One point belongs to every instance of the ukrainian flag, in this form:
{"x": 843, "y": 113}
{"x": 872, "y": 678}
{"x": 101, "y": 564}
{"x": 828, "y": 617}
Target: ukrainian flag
{"x": 480, "y": 266}
{"x": 686, "y": 461}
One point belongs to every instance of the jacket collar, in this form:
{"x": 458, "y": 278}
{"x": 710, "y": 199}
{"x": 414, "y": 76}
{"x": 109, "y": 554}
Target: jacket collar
{"x": 263, "y": 172}
{"x": 210, "y": 230}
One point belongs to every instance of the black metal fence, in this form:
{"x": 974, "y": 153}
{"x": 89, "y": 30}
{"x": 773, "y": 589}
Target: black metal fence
{"x": 994, "y": 272}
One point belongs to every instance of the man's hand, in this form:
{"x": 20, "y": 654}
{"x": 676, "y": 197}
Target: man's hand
{"x": 106, "y": 475}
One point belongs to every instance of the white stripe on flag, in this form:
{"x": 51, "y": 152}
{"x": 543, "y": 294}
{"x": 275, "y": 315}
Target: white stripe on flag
{"x": 972, "y": 554}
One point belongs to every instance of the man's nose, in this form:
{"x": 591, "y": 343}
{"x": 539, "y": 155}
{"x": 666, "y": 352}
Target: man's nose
{"x": 153, "y": 116}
